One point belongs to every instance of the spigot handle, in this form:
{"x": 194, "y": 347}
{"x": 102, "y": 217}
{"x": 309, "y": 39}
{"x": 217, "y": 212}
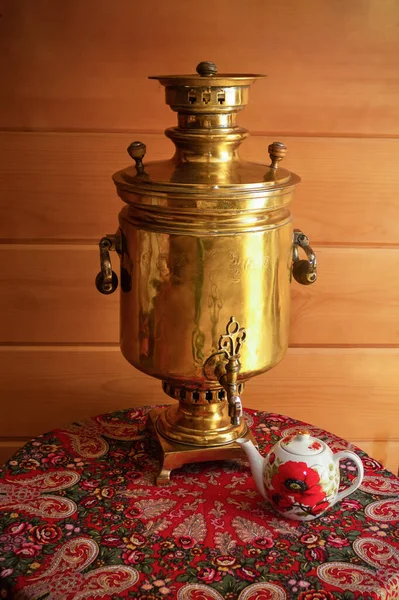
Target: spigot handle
{"x": 107, "y": 279}
{"x": 304, "y": 271}
{"x": 235, "y": 410}
{"x": 228, "y": 367}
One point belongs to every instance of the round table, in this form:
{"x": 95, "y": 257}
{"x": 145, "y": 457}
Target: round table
{"x": 82, "y": 519}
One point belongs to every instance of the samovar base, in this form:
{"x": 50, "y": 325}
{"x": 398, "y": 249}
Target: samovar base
{"x": 175, "y": 455}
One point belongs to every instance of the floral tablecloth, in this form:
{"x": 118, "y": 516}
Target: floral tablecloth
{"x": 80, "y": 518}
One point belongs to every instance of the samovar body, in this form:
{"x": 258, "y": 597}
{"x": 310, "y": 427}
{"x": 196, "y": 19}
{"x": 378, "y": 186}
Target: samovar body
{"x": 183, "y": 287}
{"x": 207, "y": 254}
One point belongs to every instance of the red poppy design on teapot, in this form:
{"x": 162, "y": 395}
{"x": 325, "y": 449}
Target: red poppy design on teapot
{"x": 300, "y": 476}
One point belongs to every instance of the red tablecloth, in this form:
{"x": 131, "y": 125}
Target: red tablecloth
{"x": 81, "y": 519}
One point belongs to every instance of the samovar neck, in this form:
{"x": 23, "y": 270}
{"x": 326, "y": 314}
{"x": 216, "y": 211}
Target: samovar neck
{"x": 207, "y": 121}
{"x": 204, "y": 144}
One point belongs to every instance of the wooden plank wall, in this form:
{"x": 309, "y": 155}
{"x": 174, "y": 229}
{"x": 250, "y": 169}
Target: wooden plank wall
{"x": 75, "y": 94}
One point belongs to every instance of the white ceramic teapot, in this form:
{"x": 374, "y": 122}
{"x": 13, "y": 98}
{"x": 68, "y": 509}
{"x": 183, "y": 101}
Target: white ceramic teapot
{"x": 300, "y": 475}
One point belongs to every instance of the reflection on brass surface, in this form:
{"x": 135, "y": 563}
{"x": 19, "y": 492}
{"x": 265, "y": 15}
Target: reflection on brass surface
{"x": 169, "y": 325}
{"x": 204, "y": 236}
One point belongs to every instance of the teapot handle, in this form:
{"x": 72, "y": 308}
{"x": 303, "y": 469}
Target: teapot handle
{"x": 360, "y": 473}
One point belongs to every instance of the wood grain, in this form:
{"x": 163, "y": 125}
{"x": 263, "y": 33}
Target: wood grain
{"x": 58, "y": 186}
{"x": 354, "y": 301}
{"x": 332, "y": 66}
{"x": 387, "y": 453}
{"x": 351, "y": 392}
{"x": 49, "y": 296}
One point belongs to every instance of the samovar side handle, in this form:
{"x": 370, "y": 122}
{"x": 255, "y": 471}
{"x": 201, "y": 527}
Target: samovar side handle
{"x": 107, "y": 279}
{"x": 304, "y": 271}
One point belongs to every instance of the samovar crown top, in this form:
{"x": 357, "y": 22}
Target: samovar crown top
{"x": 207, "y": 89}
{"x": 207, "y": 140}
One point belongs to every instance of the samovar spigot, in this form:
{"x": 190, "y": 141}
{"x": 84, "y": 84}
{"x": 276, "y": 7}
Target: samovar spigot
{"x": 227, "y": 372}
{"x": 228, "y": 379}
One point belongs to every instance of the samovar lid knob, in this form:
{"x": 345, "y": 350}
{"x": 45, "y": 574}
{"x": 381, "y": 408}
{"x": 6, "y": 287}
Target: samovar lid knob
{"x": 137, "y": 150}
{"x": 206, "y": 68}
{"x": 277, "y": 151}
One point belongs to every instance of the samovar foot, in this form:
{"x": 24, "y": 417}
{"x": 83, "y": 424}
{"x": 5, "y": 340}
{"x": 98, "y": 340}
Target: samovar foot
{"x": 164, "y": 477}
{"x": 175, "y": 455}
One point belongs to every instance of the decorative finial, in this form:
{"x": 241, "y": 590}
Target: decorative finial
{"x": 207, "y": 69}
{"x": 277, "y": 151}
{"x": 231, "y": 341}
{"x": 137, "y": 151}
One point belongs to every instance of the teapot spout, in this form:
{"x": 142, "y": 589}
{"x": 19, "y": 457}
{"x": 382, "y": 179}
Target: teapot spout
{"x": 256, "y": 462}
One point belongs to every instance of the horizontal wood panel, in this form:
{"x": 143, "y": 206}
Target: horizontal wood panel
{"x": 354, "y": 301}
{"x": 58, "y": 186}
{"x": 9, "y": 447}
{"x": 88, "y": 62}
{"x": 350, "y": 392}
{"x": 386, "y": 452}
{"x": 49, "y": 296}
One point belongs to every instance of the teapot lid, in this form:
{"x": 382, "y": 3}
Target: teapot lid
{"x": 302, "y": 443}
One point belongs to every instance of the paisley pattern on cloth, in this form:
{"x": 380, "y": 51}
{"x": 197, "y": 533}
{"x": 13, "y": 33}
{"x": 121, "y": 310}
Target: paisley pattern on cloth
{"x": 87, "y": 436}
{"x": 263, "y": 591}
{"x": 63, "y": 578}
{"x": 81, "y": 518}
{"x": 380, "y": 486}
{"x": 198, "y": 591}
{"x": 377, "y": 585}
{"x": 26, "y": 494}
{"x": 383, "y": 510}
{"x": 377, "y": 552}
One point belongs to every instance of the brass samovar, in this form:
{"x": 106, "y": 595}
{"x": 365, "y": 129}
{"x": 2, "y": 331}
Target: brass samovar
{"x": 207, "y": 251}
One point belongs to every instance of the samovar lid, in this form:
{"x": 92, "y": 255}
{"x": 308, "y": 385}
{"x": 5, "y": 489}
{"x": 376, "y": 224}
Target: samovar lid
{"x": 207, "y": 74}
{"x": 207, "y": 140}
{"x": 207, "y": 91}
